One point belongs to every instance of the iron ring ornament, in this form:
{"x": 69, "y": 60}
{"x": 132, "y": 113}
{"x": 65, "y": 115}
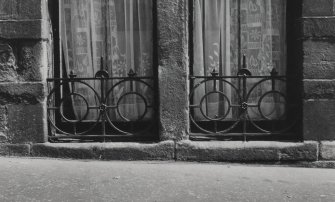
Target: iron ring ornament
{"x": 241, "y": 87}
{"x": 102, "y": 108}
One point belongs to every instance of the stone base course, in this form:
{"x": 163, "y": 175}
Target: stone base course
{"x": 306, "y": 154}
{"x": 327, "y": 150}
{"x": 246, "y": 151}
{"x": 106, "y": 151}
{"x": 14, "y": 150}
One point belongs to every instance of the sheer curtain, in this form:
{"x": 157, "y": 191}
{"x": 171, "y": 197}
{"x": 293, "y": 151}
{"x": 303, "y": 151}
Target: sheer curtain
{"x": 120, "y": 32}
{"x": 262, "y": 24}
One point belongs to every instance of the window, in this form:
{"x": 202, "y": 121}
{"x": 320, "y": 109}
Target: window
{"x": 104, "y": 84}
{"x": 239, "y": 70}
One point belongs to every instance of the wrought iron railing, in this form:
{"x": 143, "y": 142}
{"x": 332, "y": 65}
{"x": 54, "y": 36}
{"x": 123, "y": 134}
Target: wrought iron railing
{"x": 108, "y": 99}
{"x": 240, "y": 113}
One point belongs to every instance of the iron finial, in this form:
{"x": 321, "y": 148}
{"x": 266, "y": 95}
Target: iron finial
{"x": 214, "y": 73}
{"x": 72, "y": 75}
{"x": 274, "y": 72}
{"x": 131, "y": 73}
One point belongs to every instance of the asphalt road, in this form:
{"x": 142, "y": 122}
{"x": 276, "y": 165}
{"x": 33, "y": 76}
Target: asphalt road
{"x": 73, "y": 180}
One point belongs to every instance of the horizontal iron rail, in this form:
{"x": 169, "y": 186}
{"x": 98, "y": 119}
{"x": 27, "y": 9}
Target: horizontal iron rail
{"x": 97, "y": 79}
{"x": 235, "y": 77}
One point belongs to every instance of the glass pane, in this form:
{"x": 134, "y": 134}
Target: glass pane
{"x": 115, "y": 35}
{"x": 224, "y": 31}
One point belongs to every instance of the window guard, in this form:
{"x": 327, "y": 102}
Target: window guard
{"x": 106, "y": 127}
{"x": 243, "y": 125}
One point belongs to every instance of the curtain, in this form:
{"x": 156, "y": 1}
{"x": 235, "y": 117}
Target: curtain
{"x": 120, "y": 32}
{"x": 263, "y": 41}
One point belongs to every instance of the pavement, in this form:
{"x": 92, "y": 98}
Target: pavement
{"x": 31, "y": 179}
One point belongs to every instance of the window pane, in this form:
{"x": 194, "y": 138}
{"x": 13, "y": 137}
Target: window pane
{"x": 117, "y": 32}
{"x": 224, "y": 31}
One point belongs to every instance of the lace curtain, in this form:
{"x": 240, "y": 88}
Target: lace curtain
{"x": 216, "y": 47}
{"x": 120, "y": 32}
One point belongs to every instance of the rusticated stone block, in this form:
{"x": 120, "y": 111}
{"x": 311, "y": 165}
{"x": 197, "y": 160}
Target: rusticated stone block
{"x": 327, "y": 150}
{"x": 318, "y": 7}
{"x": 319, "y": 89}
{"x": 24, "y": 29}
{"x": 8, "y": 67}
{"x": 318, "y": 50}
{"x": 319, "y": 27}
{"x": 318, "y": 120}
{"x": 32, "y": 61}
{"x": 27, "y": 123}
{"x": 322, "y": 70}
{"x": 107, "y": 151}
{"x": 246, "y": 151}
{"x": 319, "y": 59}
{"x": 22, "y": 9}
{"x": 173, "y": 68}
{"x": 23, "y": 60}
{"x": 22, "y": 93}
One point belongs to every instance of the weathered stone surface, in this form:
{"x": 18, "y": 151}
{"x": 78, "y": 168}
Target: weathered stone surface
{"x": 318, "y": 50}
{"x": 318, "y": 8}
{"x": 137, "y": 151}
{"x": 22, "y": 93}
{"x": 8, "y": 67}
{"x": 24, "y": 60}
{"x": 3, "y": 124}
{"x": 24, "y": 29}
{"x": 319, "y": 89}
{"x": 318, "y": 120}
{"x": 327, "y": 150}
{"x": 248, "y": 151}
{"x": 173, "y": 68}
{"x": 76, "y": 151}
{"x": 33, "y": 61}
{"x": 307, "y": 151}
{"x": 14, "y": 149}
{"x": 319, "y": 27}
{"x": 319, "y": 59}
{"x": 22, "y": 9}
{"x": 321, "y": 70}
{"x": 107, "y": 151}
{"x": 27, "y": 123}
{"x": 3, "y": 137}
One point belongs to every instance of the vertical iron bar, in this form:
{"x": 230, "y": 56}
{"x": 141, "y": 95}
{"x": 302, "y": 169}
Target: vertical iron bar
{"x": 245, "y": 100}
{"x": 245, "y": 110}
{"x": 103, "y": 110}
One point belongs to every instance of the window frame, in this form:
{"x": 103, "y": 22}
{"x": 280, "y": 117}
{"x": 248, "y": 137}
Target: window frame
{"x": 152, "y": 134}
{"x": 294, "y": 76}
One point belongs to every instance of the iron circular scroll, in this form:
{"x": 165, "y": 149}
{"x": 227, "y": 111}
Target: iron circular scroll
{"x": 194, "y": 106}
{"x": 114, "y": 123}
{"x": 260, "y": 101}
{"x": 57, "y": 107}
{"x": 123, "y": 97}
{"x": 219, "y": 118}
{"x": 68, "y": 96}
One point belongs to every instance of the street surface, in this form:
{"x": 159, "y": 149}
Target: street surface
{"x": 74, "y": 180}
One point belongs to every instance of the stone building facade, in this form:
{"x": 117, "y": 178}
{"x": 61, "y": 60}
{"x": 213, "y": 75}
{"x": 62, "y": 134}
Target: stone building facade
{"x": 27, "y": 54}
